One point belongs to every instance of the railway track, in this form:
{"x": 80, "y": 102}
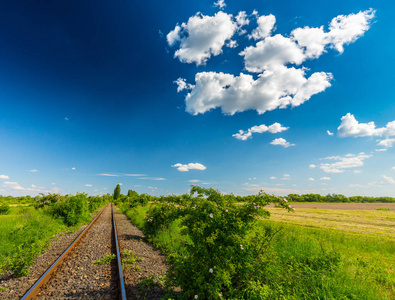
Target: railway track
{"x": 79, "y": 272}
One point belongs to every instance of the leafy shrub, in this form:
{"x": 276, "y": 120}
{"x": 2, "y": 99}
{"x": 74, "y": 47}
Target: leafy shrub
{"x": 222, "y": 258}
{"x": 4, "y": 209}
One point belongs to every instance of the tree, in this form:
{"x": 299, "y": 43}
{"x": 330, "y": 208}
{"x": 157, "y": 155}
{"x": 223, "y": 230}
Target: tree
{"x": 117, "y": 192}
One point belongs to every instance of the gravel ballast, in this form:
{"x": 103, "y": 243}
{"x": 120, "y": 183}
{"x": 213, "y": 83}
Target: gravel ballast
{"x": 153, "y": 264}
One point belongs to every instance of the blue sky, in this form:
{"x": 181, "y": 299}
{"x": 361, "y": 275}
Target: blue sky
{"x": 284, "y": 96}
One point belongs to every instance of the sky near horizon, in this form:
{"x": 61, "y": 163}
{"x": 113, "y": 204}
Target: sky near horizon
{"x": 284, "y": 96}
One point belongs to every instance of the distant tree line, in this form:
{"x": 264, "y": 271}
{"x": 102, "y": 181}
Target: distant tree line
{"x": 338, "y": 198}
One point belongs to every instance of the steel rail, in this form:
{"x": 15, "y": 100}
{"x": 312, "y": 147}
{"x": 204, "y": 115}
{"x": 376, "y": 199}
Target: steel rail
{"x": 35, "y": 289}
{"x": 122, "y": 294}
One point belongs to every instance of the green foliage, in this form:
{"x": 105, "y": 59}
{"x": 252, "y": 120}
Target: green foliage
{"x": 106, "y": 260}
{"x": 338, "y": 198}
{"x": 23, "y": 238}
{"x": 72, "y": 209}
{"x": 384, "y": 208}
{"x": 220, "y": 256}
{"x": 261, "y": 259}
{"x": 4, "y": 209}
{"x": 117, "y": 192}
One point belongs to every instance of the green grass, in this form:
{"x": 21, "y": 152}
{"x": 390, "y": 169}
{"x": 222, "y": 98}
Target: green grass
{"x": 24, "y": 234}
{"x": 315, "y": 255}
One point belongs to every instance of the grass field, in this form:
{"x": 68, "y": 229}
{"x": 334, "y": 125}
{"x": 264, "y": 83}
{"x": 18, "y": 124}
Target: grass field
{"x": 353, "y": 217}
{"x": 306, "y": 250}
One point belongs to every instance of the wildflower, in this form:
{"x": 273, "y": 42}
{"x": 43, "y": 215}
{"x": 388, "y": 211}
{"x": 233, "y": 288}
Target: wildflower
{"x": 285, "y": 200}
{"x": 241, "y": 247}
{"x": 255, "y": 207}
{"x": 293, "y": 208}
{"x": 196, "y": 296}
{"x": 211, "y": 270}
{"x": 185, "y": 257}
{"x": 211, "y": 215}
{"x": 258, "y": 206}
{"x": 226, "y": 210}
{"x": 219, "y": 295}
{"x": 289, "y": 206}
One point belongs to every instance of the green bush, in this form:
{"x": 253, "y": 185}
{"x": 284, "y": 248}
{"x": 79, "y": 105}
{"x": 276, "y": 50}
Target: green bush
{"x": 221, "y": 256}
{"x": 4, "y": 209}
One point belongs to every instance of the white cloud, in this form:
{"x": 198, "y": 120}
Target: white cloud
{"x": 13, "y": 185}
{"x": 4, "y": 177}
{"x": 312, "y": 166}
{"x": 393, "y": 168}
{"x": 202, "y": 36}
{"x": 152, "y": 178}
{"x": 33, "y": 186}
{"x": 271, "y": 90}
{"x": 88, "y": 185}
{"x": 33, "y": 171}
{"x": 194, "y": 180}
{"x": 242, "y": 19}
{"x": 345, "y": 162}
{"x": 281, "y": 142}
{"x": 220, "y": 3}
{"x": 272, "y": 52}
{"x": 190, "y": 166}
{"x": 388, "y": 142}
{"x": 329, "y": 133}
{"x": 389, "y": 179}
{"x": 264, "y": 29}
{"x": 381, "y": 150}
{"x": 110, "y": 175}
{"x": 347, "y": 29}
{"x": 273, "y": 177}
{"x": 357, "y": 171}
{"x": 325, "y": 178}
{"x": 277, "y": 84}
{"x": 73, "y": 168}
{"x": 53, "y": 183}
{"x": 355, "y": 185}
{"x": 182, "y": 85}
{"x": 274, "y": 128}
{"x": 311, "y": 179}
{"x": 350, "y": 127}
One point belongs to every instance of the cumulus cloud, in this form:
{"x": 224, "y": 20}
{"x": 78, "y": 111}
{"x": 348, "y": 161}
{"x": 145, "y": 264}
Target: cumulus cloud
{"x": 325, "y": 178}
{"x": 194, "y": 180}
{"x": 73, "y": 168}
{"x": 271, "y": 90}
{"x": 312, "y": 166}
{"x": 264, "y": 29}
{"x": 88, "y": 185}
{"x": 281, "y": 142}
{"x": 350, "y": 127}
{"x": 274, "y": 128}
{"x": 278, "y": 85}
{"x": 182, "y": 85}
{"x": 273, "y": 177}
{"x": 190, "y": 166}
{"x": 311, "y": 179}
{"x": 13, "y": 185}
{"x": 202, "y": 36}
{"x": 344, "y": 162}
{"x": 242, "y": 19}
{"x": 329, "y": 133}
{"x": 220, "y": 3}
{"x": 33, "y": 171}
{"x": 389, "y": 179}
{"x": 4, "y": 177}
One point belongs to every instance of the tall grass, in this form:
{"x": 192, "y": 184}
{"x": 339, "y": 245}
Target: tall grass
{"x": 310, "y": 262}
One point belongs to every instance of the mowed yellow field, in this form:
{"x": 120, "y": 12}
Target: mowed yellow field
{"x": 353, "y": 217}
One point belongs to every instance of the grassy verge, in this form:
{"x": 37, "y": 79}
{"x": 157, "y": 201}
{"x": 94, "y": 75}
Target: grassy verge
{"x": 24, "y": 234}
{"x": 315, "y": 255}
